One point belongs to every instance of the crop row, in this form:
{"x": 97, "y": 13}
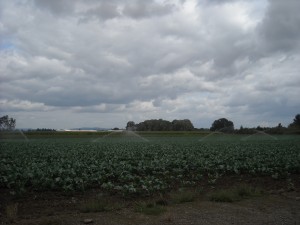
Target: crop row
{"x": 138, "y": 167}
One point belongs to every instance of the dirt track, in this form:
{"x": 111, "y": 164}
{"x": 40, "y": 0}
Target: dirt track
{"x": 281, "y": 209}
{"x": 278, "y": 205}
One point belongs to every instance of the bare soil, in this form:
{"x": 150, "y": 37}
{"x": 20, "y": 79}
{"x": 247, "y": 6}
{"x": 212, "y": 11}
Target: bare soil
{"x": 280, "y": 204}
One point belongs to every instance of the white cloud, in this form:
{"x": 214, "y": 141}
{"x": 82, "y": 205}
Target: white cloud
{"x": 104, "y": 63}
{"x": 19, "y": 105}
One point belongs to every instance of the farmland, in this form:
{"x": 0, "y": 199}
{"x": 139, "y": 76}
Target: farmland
{"x": 135, "y": 165}
{"x": 114, "y": 178}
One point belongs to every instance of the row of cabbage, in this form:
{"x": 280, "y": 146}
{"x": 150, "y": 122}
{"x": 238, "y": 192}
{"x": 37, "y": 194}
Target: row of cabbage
{"x": 138, "y": 167}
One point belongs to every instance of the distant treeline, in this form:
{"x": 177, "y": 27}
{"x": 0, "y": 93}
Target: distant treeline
{"x": 41, "y": 130}
{"x": 269, "y": 130}
{"x": 220, "y": 125}
{"x": 223, "y": 125}
{"x": 161, "y": 125}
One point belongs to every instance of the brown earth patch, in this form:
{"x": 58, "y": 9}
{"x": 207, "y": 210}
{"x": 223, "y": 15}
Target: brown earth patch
{"x": 280, "y": 204}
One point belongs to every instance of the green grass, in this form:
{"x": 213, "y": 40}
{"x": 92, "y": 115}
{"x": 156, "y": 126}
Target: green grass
{"x": 150, "y": 208}
{"x": 223, "y": 196}
{"x": 99, "y": 205}
{"x": 51, "y": 221}
{"x": 245, "y": 191}
{"x": 235, "y": 194}
{"x": 183, "y": 196}
{"x": 11, "y": 212}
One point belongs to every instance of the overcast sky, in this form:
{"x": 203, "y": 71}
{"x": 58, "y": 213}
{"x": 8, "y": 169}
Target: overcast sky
{"x": 74, "y": 63}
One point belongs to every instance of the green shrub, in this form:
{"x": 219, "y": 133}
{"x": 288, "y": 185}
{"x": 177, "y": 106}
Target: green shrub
{"x": 183, "y": 196}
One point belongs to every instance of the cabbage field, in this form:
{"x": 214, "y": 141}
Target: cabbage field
{"x": 136, "y": 166}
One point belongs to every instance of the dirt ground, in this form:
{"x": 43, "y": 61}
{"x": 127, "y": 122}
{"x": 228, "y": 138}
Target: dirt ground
{"x": 276, "y": 206}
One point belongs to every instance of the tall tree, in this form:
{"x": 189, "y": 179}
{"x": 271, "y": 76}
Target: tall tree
{"x": 154, "y": 125}
{"x": 130, "y": 125}
{"x": 182, "y": 125}
{"x": 7, "y": 123}
{"x": 296, "y": 122}
{"x": 223, "y": 125}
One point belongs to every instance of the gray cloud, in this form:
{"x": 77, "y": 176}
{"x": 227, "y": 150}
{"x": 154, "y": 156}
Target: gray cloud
{"x": 56, "y": 7}
{"x": 106, "y": 10}
{"x": 140, "y": 9}
{"x": 280, "y": 27}
{"x": 114, "y": 61}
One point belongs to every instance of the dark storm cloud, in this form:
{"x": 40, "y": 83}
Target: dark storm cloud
{"x": 280, "y": 28}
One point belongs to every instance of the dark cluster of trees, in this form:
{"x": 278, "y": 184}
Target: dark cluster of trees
{"x": 296, "y": 122}
{"x": 220, "y": 125}
{"x": 271, "y": 130}
{"x": 223, "y": 125}
{"x": 161, "y": 125}
{"x": 42, "y": 129}
{"x": 7, "y": 123}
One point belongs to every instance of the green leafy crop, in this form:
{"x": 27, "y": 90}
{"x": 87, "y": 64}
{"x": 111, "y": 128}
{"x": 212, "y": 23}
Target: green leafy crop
{"x": 138, "y": 168}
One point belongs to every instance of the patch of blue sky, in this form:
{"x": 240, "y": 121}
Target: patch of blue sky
{"x": 6, "y": 45}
